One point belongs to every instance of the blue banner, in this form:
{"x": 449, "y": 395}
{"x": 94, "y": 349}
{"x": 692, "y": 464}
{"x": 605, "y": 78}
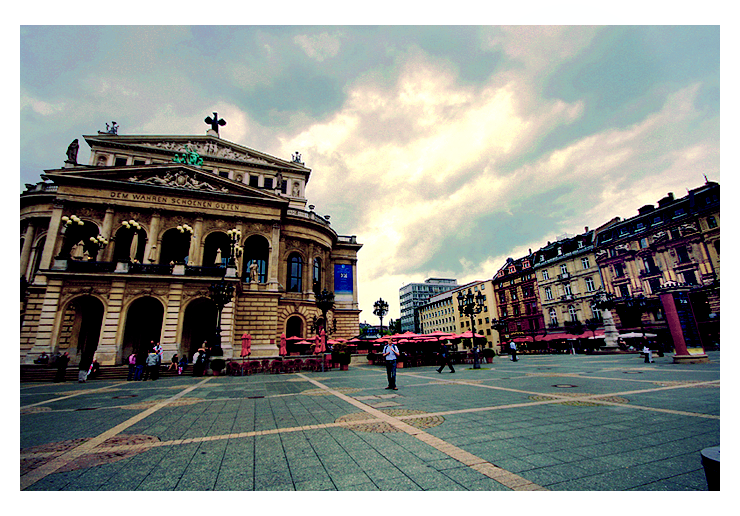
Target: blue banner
{"x": 343, "y": 281}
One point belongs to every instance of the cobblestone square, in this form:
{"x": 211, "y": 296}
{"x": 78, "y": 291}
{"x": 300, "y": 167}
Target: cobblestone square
{"x": 545, "y": 423}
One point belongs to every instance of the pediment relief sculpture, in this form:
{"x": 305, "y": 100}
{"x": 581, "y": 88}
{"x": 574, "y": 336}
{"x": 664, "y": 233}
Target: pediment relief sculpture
{"x": 178, "y": 180}
{"x": 208, "y": 149}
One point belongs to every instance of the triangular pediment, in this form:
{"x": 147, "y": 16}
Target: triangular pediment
{"x": 185, "y": 178}
{"x": 208, "y": 148}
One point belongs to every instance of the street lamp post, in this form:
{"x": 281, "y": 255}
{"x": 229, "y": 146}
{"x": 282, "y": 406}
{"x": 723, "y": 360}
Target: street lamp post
{"x": 221, "y": 293}
{"x": 325, "y": 302}
{"x": 471, "y": 305}
{"x": 501, "y": 326}
{"x": 380, "y": 309}
{"x": 234, "y": 238}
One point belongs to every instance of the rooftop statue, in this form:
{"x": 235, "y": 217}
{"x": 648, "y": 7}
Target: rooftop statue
{"x": 215, "y": 122}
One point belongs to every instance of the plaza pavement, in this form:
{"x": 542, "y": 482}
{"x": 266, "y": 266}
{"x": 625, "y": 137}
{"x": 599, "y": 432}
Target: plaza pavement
{"x": 546, "y": 422}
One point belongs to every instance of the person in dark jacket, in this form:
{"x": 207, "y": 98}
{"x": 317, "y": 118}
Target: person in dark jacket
{"x": 446, "y": 359}
{"x": 61, "y": 364}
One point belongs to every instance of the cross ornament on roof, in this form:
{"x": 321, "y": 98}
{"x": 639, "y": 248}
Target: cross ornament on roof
{"x": 215, "y": 122}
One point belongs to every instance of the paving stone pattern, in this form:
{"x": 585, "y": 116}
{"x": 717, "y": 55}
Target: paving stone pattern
{"x": 558, "y": 423}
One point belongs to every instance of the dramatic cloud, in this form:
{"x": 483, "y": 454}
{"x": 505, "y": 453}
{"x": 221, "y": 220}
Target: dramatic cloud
{"x": 444, "y": 149}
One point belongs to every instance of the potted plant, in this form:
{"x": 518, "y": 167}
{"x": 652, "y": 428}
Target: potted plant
{"x": 488, "y": 354}
{"x": 341, "y": 355}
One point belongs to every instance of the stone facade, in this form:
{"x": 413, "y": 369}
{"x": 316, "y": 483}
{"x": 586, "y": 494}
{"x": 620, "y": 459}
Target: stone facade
{"x": 122, "y": 251}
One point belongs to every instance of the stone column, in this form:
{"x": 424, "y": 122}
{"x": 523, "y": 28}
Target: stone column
{"x": 53, "y": 242}
{"x": 355, "y": 302}
{"x": 272, "y": 273}
{"x": 610, "y": 331}
{"x": 111, "y": 333}
{"x": 151, "y": 253}
{"x": 196, "y": 248}
{"x": 106, "y": 232}
{"x": 27, "y": 245}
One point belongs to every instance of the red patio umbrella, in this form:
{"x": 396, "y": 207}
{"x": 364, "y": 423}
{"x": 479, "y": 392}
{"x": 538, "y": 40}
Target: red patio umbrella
{"x": 469, "y": 335}
{"x": 246, "y": 344}
{"x": 283, "y": 348}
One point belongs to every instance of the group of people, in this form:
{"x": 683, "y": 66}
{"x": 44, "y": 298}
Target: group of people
{"x": 144, "y": 365}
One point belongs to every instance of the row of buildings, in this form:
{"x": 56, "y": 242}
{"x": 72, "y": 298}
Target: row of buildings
{"x": 145, "y": 242}
{"x": 561, "y": 290}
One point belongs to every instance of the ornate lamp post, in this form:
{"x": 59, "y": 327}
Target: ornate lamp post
{"x": 324, "y": 302}
{"x": 183, "y": 229}
{"x": 380, "y": 309}
{"x": 99, "y": 242}
{"x": 471, "y": 305}
{"x": 67, "y": 222}
{"x": 221, "y": 293}
{"x": 501, "y": 326}
{"x": 235, "y": 237}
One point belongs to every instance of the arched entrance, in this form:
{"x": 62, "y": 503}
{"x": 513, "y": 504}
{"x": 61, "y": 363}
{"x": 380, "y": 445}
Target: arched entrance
{"x": 199, "y": 325}
{"x": 143, "y": 325}
{"x": 77, "y": 241}
{"x": 80, "y": 332}
{"x": 175, "y": 246}
{"x": 125, "y": 250}
{"x": 294, "y": 327}
{"x": 212, "y": 244}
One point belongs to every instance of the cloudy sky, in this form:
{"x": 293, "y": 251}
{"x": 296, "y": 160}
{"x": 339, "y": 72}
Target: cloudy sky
{"x": 444, "y": 149}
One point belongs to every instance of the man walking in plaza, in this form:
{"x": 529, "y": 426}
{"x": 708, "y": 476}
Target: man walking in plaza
{"x": 390, "y": 352}
{"x": 446, "y": 359}
{"x": 512, "y": 348}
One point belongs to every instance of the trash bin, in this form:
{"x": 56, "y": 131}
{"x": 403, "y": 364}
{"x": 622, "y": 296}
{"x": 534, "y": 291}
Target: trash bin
{"x": 710, "y": 461}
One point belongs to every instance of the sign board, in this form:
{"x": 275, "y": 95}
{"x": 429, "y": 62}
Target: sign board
{"x": 343, "y": 282}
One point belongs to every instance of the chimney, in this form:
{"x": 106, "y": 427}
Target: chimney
{"x": 585, "y": 229}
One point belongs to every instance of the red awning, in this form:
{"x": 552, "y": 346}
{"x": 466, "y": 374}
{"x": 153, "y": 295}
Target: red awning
{"x": 522, "y": 339}
{"x": 556, "y": 336}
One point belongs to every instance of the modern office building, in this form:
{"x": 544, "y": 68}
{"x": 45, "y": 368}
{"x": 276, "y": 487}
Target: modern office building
{"x": 414, "y": 295}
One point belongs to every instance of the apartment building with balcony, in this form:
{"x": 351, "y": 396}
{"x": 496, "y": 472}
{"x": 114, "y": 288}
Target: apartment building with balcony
{"x": 673, "y": 243}
{"x": 568, "y": 280}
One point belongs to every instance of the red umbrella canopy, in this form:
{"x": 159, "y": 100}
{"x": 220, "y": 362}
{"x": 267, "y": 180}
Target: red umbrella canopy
{"x": 469, "y": 335}
{"x": 294, "y": 339}
{"x": 404, "y": 335}
{"x": 283, "y": 350}
{"x": 246, "y": 344}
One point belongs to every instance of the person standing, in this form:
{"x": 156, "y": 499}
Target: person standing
{"x": 390, "y": 352}
{"x": 61, "y": 364}
{"x": 446, "y": 359}
{"x": 512, "y": 348}
{"x": 140, "y": 364}
{"x": 131, "y": 367}
{"x": 151, "y": 365}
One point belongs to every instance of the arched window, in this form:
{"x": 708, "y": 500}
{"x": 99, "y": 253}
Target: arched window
{"x": 295, "y": 273}
{"x": 317, "y": 274}
{"x": 256, "y": 250}
{"x": 553, "y": 317}
{"x": 573, "y": 313}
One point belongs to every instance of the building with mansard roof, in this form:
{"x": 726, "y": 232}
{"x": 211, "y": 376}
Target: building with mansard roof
{"x": 122, "y": 251}
{"x": 569, "y": 281}
{"x": 673, "y": 244}
{"x": 517, "y": 298}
